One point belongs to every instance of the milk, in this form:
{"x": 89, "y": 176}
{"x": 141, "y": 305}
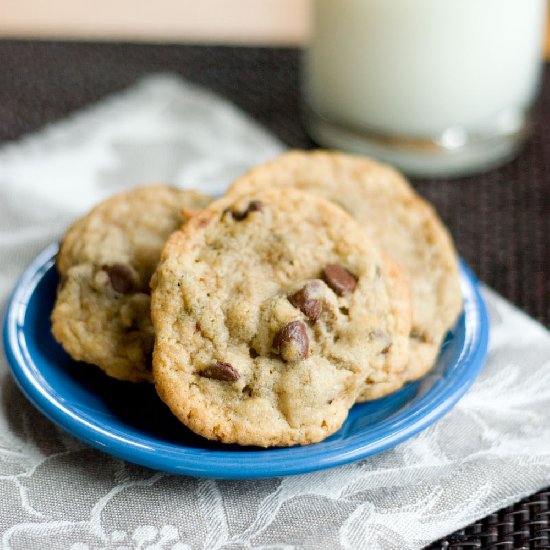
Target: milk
{"x": 423, "y": 74}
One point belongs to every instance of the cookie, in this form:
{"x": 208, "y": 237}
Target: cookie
{"x": 404, "y": 225}
{"x": 102, "y": 312}
{"x": 269, "y": 310}
{"x": 389, "y": 373}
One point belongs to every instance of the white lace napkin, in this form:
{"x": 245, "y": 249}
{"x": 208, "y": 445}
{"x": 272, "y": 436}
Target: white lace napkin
{"x": 58, "y": 493}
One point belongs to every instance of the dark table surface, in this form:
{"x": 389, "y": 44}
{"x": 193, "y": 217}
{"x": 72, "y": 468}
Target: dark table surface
{"x": 500, "y": 220}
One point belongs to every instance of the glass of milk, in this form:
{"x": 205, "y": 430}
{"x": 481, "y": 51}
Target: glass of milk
{"x": 435, "y": 87}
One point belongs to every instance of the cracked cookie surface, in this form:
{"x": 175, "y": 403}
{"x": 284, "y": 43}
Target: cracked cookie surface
{"x": 405, "y": 227}
{"x": 102, "y": 312}
{"x": 269, "y": 310}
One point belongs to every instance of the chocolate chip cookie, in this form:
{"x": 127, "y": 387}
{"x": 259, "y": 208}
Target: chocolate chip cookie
{"x": 404, "y": 225}
{"x": 102, "y": 312}
{"x": 392, "y": 363}
{"x": 270, "y": 310}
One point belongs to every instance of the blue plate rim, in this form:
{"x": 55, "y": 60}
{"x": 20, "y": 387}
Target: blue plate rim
{"x": 227, "y": 464}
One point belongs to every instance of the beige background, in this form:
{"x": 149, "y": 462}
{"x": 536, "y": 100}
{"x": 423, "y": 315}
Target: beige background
{"x": 241, "y": 21}
{"x": 283, "y": 22}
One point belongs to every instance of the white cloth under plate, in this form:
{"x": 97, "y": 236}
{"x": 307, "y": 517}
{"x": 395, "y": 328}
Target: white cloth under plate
{"x": 492, "y": 449}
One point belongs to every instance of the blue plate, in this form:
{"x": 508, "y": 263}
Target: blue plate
{"x": 129, "y": 421}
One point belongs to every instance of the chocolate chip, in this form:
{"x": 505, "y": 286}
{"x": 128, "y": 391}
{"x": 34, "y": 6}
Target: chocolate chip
{"x": 120, "y": 277}
{"x": 307, "y": 301}
{"x": 292, "y": 342}
{"x": 339, "y": 278}
{"x": 419, "y": 335}
{"x": 220, "y": 371}
{"x": 253, "y": 206}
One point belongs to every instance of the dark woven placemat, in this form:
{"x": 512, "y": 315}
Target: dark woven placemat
{"x": 500, "y": 220}
{"x": 524, "y": 525}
